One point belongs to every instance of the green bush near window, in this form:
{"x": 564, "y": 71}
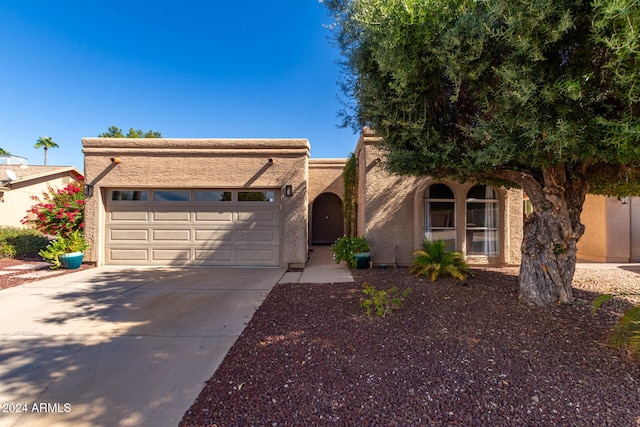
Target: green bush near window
{"x": 434, "y": 259}
{"x": 346, "y": 247}
{"x": 21, "y": 243}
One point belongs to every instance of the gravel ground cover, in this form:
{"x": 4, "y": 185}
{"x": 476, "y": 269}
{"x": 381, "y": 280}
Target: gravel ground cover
{"x": 10, "y": 278}
{"x": 455, "y": 354}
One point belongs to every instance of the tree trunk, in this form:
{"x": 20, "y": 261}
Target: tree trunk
{"x": 548, "y": 260}
{"x": 551, "y": 233}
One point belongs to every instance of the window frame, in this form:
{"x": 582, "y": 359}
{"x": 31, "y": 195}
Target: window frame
{"x": 470, "y": 230}
{"x": 156, "y": 191}
{"x": 426, "y": 229}
{"x": 113, "y": 191}
{"x": 212, "y": 190}
{"x": 269, "y": 200}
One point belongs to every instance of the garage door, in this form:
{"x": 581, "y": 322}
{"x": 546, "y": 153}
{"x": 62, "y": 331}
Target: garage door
{"x": 192, "y": 227}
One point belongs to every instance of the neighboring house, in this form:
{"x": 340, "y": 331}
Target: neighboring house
{"x": 612, "y": 230}
{"x": 20, "y": 182}
{"x": 10, "y": 159}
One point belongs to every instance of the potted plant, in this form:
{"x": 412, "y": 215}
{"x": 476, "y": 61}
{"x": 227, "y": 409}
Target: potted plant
{"x": 66, "y": 251}
{"x": 354, "y": 251}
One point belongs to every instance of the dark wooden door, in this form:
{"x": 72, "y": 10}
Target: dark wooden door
{"x": 327, "y": 222}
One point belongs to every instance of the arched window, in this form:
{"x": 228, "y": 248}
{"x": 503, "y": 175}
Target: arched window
{"x": 482, "y": 221}
{"x": 440, "y": 215}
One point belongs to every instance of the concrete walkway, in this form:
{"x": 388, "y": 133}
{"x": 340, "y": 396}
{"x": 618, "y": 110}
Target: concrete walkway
{"x": 320, "y": 269}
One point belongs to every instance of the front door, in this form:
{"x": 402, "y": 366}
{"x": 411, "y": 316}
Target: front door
{"x": 327, "y": 222}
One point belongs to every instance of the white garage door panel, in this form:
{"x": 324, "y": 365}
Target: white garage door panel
{"x": 256, "y": 236}
{"x": 128, "y": 216}
{"x": 222, "y": 256}
{"x": 170, "y": 255}
{"x": 258, "y": 217}
{"x": 251, "y": 256}
{"x": 128, "y": 255}
{"x": 215, "y": 216}
{"x": 172, "y": 235}
{"x": 171, "y": 216}
{"x": 128, "y": 235}
{"x": 223, "y": 235}
{"x": 198, "y": 233}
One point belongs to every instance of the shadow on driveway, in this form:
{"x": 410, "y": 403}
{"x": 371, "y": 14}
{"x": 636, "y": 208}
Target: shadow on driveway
{"x": 120, "y": 346}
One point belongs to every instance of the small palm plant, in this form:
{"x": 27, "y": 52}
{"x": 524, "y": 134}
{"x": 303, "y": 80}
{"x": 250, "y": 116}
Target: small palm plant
{"x": 434, "y": 259}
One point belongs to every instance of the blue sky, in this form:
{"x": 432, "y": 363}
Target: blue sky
{"x": 189, "y": 69}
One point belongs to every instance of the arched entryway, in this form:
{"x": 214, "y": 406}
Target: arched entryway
{"x": 327, "y": 222}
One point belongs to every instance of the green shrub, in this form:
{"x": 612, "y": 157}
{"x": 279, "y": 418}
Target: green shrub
{"x": 346, "y": 247}
{"x": 350, "y": 194}
{"x": 382, "y": 302}
{"x": 434, "y": 260}
{"x": 21, "y": 243}
{"x": 626, "y": 334}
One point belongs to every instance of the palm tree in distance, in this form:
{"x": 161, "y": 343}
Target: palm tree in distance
{"x": 45, "y": 142}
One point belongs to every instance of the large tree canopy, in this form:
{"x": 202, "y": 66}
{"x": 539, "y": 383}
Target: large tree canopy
{"x": 540, "y": 94}
{"x": 116, "y": 132}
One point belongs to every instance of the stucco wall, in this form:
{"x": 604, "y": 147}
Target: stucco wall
{"x": 608, "y": 230}
{"x": 513, "y": 232}
{"x": 201, "y": 163}
{"x": 635, "y": 229}
{"x": 391, "y": 211}
{"x": 19, "y": 199}
{"x": 386, "y": 208}
{"x": 325, "y": 176}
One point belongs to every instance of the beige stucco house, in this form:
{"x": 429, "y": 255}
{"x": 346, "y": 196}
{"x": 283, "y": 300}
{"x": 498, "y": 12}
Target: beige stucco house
{"x": 612, "y": 230}
{"x": 264, "y": 203}
{"x": 21, "y": 182}
{"x": 396, "y": 213}
{"x": 196, "y": 201}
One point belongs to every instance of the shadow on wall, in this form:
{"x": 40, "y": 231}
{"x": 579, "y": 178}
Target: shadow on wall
{"x": 390, "y": 221}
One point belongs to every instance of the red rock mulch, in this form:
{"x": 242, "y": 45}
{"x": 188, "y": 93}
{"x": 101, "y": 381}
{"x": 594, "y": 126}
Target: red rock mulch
{"x": 11, "y": 279}
{"x": 453, "y": 355}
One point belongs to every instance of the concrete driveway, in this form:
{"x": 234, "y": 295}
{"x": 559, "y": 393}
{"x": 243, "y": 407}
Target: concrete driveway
{"x": 120, "y": 346}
